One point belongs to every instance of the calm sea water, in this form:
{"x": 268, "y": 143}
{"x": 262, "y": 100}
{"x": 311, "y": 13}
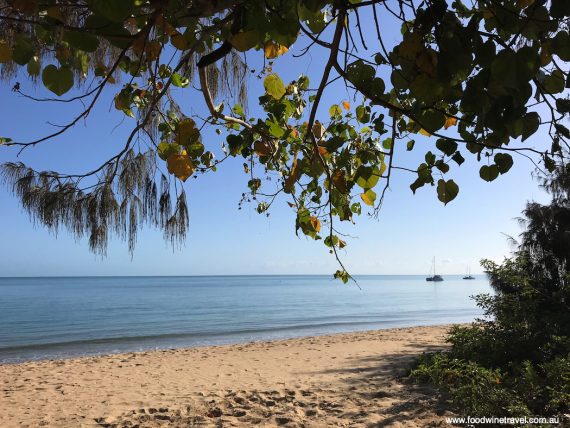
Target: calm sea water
{"x": 44, "y": 318}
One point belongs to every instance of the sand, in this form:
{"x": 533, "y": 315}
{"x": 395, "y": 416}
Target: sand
{"x": 345, "y": 380}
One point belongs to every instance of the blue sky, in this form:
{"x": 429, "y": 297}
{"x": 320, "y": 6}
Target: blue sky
{"x": 410, "y": 231}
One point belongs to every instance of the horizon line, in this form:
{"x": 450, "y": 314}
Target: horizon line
{"x": 219, "y": 275}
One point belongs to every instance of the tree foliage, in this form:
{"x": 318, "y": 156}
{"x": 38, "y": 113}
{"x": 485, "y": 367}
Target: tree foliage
{"x": 478, "y": 78}
{"x": 517, "y": 361}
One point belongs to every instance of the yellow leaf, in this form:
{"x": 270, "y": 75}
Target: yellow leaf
{"x": 368, "y": 197}
{"x": 449, "y": 122}
{"x": 346, "y": 105}
{"x": 341, "y": 243}
{"x": 315, "y": 223}
{"x": 366, "y": 200}
{"x": 273, "y": 50}
{"x": 424, "y": 132}
{"x": 181, "y": 166}
{"x": 5, "y": 52}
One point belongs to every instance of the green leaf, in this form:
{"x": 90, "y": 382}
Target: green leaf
{"x": 560, "y": 8}
{"x": 446, "y": 146}
{"x": 114, "y": 32}
{"x": 504, "y": 162}
{"x": 561, "y": 45}
{"x": 514, "y": 69}
{"x": 303, "y": 82}
{"x": 274, "y": 86}
{"x": 356, "y": 208}
{"x": 458, "y": 158}
{"x": 429, "y": 158}
{"x": 432, "y": 121}
{"x": 331, "y": 242}
{"x": 410, "y": 145}
{"x": 113, "y": 10}
{"x": 81, "y": 40}
{"x": 489, "y": 172}
{"x": 23, "y": 50}
{"x": 238, "y": 111}
{"x": 235, "y": 143}
{"x": 59, "y": 81}
{"x": 335, "y": 111}
{"x": 179, "y": 42}
{"x": 426, "y": 89}
{"x": 447, "y": 191}
{"x": 562, "y": 105}
{"x": 166, "y": 149}
{"x": 375, "y": 89}
{"x": 5, "y": 52}
{"x": 34, "y": 67}
{"x": 367, "y": 177}
{"x": 245, "y": 40}
{"x": 342, "y": 275}
{"x": 442, "y": 166}
{"x": 275, "y": 128}
{"x": 195, "y": 149}
{"x": 531, "y": 122}
{"x": 187, "y": 132}
{"x": 416, "y": 185}
{"x": 554, "y": 83}
{"x": 360, "y": 74}
{"x": 561, "y": 129}
{"x": 180, "y": 81}
{"x": 362, "y": 114}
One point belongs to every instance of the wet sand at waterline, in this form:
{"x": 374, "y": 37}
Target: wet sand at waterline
{"x": 351, "y": 379}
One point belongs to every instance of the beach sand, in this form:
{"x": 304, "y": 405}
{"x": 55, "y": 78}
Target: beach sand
{"x": 353, "y": 379}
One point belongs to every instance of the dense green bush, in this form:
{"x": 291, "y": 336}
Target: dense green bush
{"x": 516, "y": 360}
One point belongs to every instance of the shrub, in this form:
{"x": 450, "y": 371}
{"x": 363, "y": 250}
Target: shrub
{"x": 516, "y": 360}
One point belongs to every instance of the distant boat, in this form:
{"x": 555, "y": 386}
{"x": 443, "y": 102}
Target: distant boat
{"x": 468, "y": 276}
{"x": 434, "y": 277}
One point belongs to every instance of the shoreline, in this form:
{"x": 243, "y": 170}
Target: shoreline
{"x": 324, "y": 380}
{"x": 75, "y": 355}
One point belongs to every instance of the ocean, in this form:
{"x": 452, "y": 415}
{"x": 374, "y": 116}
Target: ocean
{"x": 50, "y": 318}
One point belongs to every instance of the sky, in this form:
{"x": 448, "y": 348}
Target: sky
{"x": 222, "y": 240}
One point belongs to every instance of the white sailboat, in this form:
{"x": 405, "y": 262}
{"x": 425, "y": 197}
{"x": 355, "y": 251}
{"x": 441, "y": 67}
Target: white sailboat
{"x": 434, "y": 277}
{"x": 468, "y": 276}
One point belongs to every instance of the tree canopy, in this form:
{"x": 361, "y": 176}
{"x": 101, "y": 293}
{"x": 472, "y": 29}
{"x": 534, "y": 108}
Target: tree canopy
{"x": 478, "y": 77}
